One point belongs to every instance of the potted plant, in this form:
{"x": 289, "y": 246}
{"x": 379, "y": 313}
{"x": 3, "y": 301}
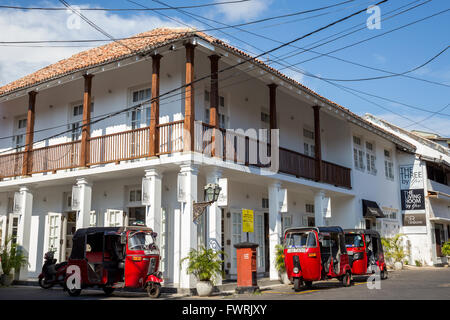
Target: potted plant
{"x": 205, "y": 264}
{"x": 279, "y": 264}
{"x": 394, "y": 250}
{"x": 11, "y": 258}
{"x": 446, "y": 251}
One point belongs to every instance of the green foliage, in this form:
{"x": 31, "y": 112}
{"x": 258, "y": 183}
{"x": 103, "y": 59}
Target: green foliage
{"x": 418, "y": 263}
{"x": 446, "y": 249}
{"x": 393, "y": 248}
{"x": 279, "y": 258}
{"x": 12, "y": 257}
{"x": 204, "y": 264}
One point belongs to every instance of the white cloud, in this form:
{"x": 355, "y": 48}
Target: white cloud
{"x": 440, "y": 125}
{"x": 241, "y": 11}
{"x": 16, "y": 62}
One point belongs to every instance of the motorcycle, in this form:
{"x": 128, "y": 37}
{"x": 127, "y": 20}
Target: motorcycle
{"x": 52, "y": 272}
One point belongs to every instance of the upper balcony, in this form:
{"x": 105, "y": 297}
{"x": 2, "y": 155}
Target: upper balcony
{"x": 135, "y": 144}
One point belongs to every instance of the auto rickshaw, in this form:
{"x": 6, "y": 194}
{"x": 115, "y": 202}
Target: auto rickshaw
{"x": 115, "y": 257}
{"x": 365, "y": 252}
{"x": 316, "y": 253}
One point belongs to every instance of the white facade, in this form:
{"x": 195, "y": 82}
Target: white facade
{"x": 111, "y": 193}
{"x": 424, "y": 240}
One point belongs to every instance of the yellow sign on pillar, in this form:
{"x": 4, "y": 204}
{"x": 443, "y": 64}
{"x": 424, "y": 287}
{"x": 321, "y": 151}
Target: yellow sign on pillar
{"x": 247, "y": 220}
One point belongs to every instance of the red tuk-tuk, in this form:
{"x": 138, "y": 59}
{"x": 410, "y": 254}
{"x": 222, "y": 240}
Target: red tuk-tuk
{"x": 115, "y": 257}
{"x": 365, "y": 252}
{"x": 316, "y": 253}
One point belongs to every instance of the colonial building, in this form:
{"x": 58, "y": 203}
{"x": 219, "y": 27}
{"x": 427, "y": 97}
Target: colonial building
{"x": 425, "y": 194}
{"x": 183, "y": 109}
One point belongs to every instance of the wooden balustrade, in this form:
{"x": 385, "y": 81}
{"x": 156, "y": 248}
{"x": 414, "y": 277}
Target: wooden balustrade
{"x": 56, "y": 157}
{"x": 170, "y": 137}
{"x": 134, "y": 144}
{"x": 11, "y": 164}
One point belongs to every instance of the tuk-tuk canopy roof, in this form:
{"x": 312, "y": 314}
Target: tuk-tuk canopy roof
{"x": 318, "y": 229}
{"x": 92, "y": 230}
{"x": 362, "y": 231}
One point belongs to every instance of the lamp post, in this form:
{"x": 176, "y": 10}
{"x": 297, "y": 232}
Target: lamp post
{"x": 211, "y": 194}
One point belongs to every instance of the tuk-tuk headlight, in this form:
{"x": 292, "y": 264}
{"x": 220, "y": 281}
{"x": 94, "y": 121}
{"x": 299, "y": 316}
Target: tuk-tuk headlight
{"x": 296, "y": 270}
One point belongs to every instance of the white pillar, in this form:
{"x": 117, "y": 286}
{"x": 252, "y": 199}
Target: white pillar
{"x": 188, "y": 228}
{"x": 319, "y": 208}
{"x": 24, "y": 227}
{"x": 274, "y": 226}
{"x": 153, "y": 216}
{"x": 83, "y": 215}
{"x": 214, "y": 219}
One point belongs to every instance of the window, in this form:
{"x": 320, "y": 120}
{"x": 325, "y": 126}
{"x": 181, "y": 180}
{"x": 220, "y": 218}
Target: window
{"x": 114, "y": 218}
{"x": 301, "y": 239}
{"x": 92, "y": 219}
{"x": 135, "y": 195}
{"x": 358, "y": 153}
{"x": 22, "y": 124}
{"x": 309, "y": 208}
{"x": 53, "y": 238}
{"x": 265, "y": 203}
{"x": 370, "y": 158}
{"x": 19, "y": 133}
{"x": 265, "y": 117}
{"x": 308, "y": 145}
{"x": 140, "y": 115}
{"x": 388, "y": 165}
{"x": 76, "y": 124}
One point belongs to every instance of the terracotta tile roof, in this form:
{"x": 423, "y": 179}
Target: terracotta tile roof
{"x": 142, "y": 43}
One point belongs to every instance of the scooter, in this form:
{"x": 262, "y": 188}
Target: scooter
{"x": 52, "y": 272}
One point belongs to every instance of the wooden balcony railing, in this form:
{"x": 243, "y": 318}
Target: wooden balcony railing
{"x": 134, "y": 144}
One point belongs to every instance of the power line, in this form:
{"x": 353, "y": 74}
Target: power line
{"x": 179, "y": 32}
{"x": 208, "y": 75}
{"x": 121, "y": 9}
{"x": 427, "y": 118}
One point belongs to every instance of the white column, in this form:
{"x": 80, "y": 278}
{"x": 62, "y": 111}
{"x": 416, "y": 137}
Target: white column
{"x": 214, "y": 219}
{"x": 274, "y": 226}
{"x": 153, "y": 216}
{"x": 319, "y": 208}
{"x": 176, "y": 245}
{"x": 188, "y": 228}
{"x": 83, "y": 215}
{"x": 24, "y": 227}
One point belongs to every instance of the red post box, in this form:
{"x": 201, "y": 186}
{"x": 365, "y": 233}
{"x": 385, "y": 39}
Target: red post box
{"x": 246, "y": 267}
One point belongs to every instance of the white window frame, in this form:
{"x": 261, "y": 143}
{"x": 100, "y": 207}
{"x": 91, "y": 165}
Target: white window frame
{"x": 75, "y": 122}
{"x": 388, "y": 165}
{"x": 53, "y": 232}
{"x": 18, "y": 140}
{"x": 358, "y": 154}
{"x": 236, "y": 235}
{"x": 3, "y": 227}
{"x": 309, "y": 147}
{"x": 144, "y": 111}
{"x": 287, "y": 221}
{"x": 92, "y": 219}
{"x": 371, "y": 158}
{"x": 114, "y": 218}
{"x": 11, "y": 218}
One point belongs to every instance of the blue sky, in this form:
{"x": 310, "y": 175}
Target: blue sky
{"x": 397, "y": 52}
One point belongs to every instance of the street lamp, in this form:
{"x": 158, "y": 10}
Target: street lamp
{"x": 211, "y": 194}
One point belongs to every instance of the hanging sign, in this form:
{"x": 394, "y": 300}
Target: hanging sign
{"x": 247, "y": 220}
{"x": 413, "y": 199}
{"x": 411, "y": 176}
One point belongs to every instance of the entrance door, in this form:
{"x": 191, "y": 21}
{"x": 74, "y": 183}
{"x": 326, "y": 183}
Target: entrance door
{"x": 53, "y": 234}
{"x": 259, "y": 238}
{"x": 236, "y": 237}
{"x": 437, "y": 232}
{"x": 69, "y": 227}
{"x": 266, "y": 242}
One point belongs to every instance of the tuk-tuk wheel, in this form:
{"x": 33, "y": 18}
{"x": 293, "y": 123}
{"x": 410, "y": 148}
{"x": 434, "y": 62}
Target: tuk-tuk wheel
{"x": 384, "y": 274}
{"x": 74, "y": 292}
{"x": 308, "y": 284}
{"x": 347, "y": 280}
{"x": 108, "y": 290}
{"x": 154, "y": 290}
{"x": 297, "y": 284}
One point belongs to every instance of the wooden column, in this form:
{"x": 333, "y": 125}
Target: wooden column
{"x": 189, "y": 100}
{"x": 86, "y": 127}
{"x": 214, "y": 100}
{"x": 154, "y": 111}
{"x": 29, "y": 138}
{"x": 317, "y": 143}
{"x": 273, "y": 105}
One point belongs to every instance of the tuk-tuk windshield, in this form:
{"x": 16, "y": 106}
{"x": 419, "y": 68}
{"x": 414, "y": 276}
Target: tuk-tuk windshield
{"x": 300, "y": 239}
{"x": 353, "y": 241}
{"x": 140, "y": 240}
